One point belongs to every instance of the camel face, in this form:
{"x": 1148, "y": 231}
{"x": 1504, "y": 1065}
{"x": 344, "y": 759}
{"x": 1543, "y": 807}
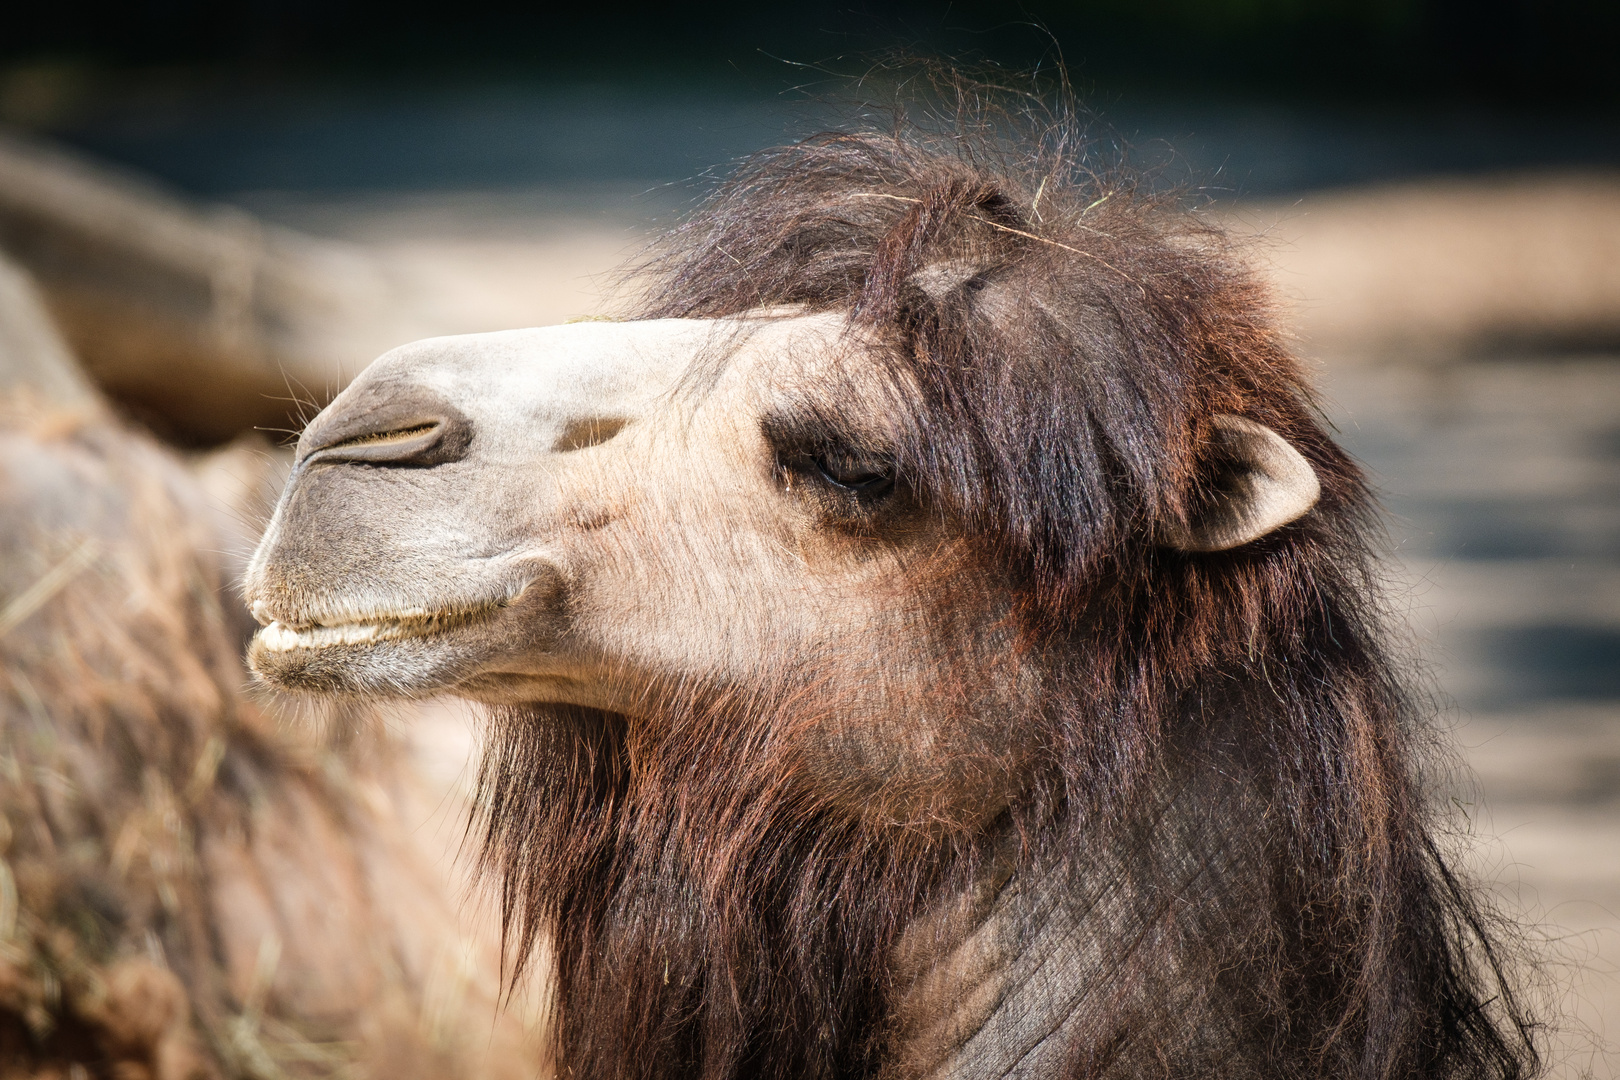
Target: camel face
{"x": 605, "y": 514}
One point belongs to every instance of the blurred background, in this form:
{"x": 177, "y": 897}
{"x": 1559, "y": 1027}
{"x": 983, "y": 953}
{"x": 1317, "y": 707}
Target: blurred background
{"x": 225, "y": 205}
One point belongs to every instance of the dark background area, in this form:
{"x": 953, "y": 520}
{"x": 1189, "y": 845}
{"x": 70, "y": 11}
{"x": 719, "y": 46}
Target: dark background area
{"x": 1259, "y": 97}
{"x": 1515, "y": 51}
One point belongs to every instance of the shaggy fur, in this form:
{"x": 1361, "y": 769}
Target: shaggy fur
{"x": 190, "y": 890}
{"x": 1227, "y": 802}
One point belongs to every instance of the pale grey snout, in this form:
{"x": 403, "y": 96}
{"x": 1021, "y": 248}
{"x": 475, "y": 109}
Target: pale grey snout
{"x": 423, "y": 508}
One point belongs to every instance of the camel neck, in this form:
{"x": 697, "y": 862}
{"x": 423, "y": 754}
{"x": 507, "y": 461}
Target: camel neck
{"x": 991, "y": 981}
{"x": 1082, "y": 953}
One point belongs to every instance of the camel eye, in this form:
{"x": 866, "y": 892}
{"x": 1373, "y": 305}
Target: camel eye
{"x": 851, "y": 472}
{"x": 848, "y": 476}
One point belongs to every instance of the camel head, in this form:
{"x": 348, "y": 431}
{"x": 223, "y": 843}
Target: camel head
{"x": 602, "y": 514}
{"x": 934, "y": 634}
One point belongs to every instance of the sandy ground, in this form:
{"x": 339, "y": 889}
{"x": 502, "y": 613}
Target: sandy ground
{"x": 1499, "y": 460}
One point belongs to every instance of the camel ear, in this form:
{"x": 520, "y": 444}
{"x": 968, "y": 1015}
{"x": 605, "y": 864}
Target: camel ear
{"x": 1256, "y": 482}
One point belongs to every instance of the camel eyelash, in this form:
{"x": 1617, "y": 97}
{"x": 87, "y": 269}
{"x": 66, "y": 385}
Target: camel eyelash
{"x": 848, "y": 480}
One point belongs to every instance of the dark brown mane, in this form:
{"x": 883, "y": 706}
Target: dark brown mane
{"x": 1230, "y": 761}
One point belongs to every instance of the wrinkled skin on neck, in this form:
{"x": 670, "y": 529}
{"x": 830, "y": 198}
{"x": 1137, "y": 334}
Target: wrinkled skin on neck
{"x": 703, "y": 928}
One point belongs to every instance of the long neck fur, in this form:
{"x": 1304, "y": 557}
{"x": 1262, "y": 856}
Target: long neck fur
{"x": 1179, "y": 930}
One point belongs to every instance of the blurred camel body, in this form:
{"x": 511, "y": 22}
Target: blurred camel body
{"x": 189, "y": 886}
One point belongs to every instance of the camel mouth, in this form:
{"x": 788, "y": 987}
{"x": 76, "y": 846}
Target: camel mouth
{"x": 280, "y": 637}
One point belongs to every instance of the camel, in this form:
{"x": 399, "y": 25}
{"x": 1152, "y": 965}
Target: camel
{"x": 932, "y": 634}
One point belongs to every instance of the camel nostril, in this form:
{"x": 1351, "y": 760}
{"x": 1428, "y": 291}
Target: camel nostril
{"x": 423, "y": 444}
{"x": 388, "y": 425}
{"x": 386, "y": 444}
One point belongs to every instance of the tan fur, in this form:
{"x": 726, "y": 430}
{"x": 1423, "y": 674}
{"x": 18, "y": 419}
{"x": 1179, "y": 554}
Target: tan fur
{"x": 189, "y": 886}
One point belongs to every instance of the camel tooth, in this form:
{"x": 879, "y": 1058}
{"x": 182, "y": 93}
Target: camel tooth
{"x": 280, "y": 638}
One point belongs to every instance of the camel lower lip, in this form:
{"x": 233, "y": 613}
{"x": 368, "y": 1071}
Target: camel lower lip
{"x": 279, "y": 637}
